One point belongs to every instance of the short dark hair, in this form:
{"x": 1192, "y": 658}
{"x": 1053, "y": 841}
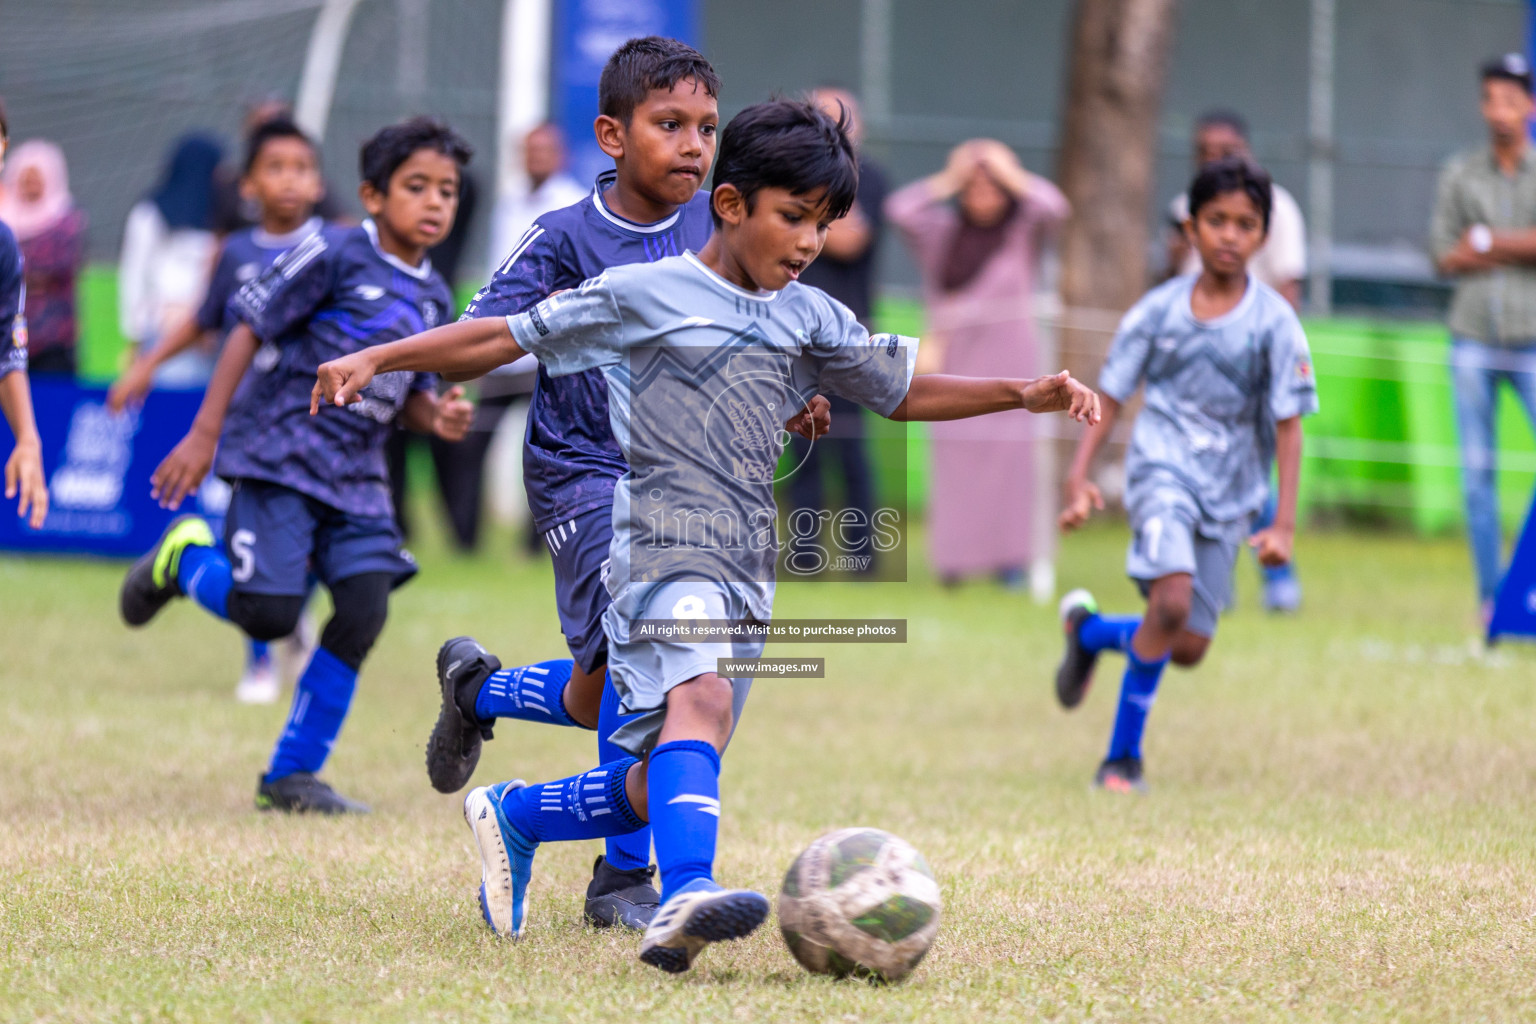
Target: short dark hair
{"x": 792, "y": 145}
{"x": 1233, "y": 174}
{"x": 1223, "y": 118}
{"x": 646, "y": 64}
{"x": 392, "y": 146}
{"x": 1512, "y": 67}
{"x": 277, "y": 128}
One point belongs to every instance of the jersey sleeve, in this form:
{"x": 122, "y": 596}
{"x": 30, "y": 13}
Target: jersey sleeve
{"x": 1292, "y": 384}
{"x": 13, "y": 306}
{"x": 289, "y": 292}
{"x": 424, "y": 382}
{"x": 529, "y": 273}
{"x": 874, "y": 371}
{"x": 221, "y": 287}
{"x": 580, "y": 329}
{"x": 1127, "y": 359}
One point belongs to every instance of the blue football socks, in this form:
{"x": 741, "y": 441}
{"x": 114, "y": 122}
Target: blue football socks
{"x": 631, "y": 851}
{"x": 591, "y": 805}
{"x": 257, "y": 653}
{"x": 1108, "y": 632}
{"x": 203, "y": 575}
{"x": 684, "y": 794}
{"x": 320, "y": 702}
{"x": 533, "y": 693}
{"x": 1137, "y": 691}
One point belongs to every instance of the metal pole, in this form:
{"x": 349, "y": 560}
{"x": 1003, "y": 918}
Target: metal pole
{"x": 1320, "y": 157}
{"x": 411, "y": 26}
{"x": 322, "y": 63}
{"x": 523, "y": 102}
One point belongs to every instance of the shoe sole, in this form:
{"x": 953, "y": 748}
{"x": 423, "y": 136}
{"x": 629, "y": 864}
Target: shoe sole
{"x": 733, "y": 915}
{"x": 481, "y": 818}
{"x": 601, "y": 913}
{"x": 453, "y": 748}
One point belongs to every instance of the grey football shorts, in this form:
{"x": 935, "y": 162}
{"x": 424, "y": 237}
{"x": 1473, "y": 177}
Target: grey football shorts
{"x": 1168, "y": 537}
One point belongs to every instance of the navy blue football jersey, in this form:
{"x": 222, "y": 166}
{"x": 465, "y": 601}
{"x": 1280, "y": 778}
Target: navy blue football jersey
{"x": 571, "y": 461}
{"x": 13, "y": 306}
{"x": 246, "y": 254}
{"x": 334, "y": 293}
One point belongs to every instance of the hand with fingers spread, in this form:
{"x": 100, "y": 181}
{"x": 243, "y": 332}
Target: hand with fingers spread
{"x": 182, "y": 471}
{"x": 24, "y": 478}
{"x": 1062, "y": 392}
{"x": 814, "y": 421}
{"x": 339, "y": 381}
{"x": 453, "y": 416}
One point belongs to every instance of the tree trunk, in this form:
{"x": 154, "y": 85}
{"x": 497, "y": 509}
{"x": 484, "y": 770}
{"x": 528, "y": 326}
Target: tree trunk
{"x": 1120, "y": 54}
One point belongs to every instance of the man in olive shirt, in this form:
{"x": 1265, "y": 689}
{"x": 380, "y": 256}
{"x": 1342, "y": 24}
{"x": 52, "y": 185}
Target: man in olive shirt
{"x": 1484, "y": 235}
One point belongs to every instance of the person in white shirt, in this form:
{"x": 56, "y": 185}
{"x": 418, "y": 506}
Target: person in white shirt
{"x": 548, "y": 188}
{"x": 1282, "y": 262}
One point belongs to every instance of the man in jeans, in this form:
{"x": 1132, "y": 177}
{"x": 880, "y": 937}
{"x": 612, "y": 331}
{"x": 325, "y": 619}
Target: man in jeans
{"x": 1484, "y": 235}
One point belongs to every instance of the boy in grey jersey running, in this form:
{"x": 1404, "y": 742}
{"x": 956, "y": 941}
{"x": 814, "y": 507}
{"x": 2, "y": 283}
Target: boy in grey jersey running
{"x": 703, "y": 355}
{"x": 1228, "y": 377}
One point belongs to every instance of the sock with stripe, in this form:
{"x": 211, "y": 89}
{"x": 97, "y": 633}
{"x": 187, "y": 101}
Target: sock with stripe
{"x": 683, "y": 788}
{"x": 591, "y": 805}
{"x": 1108, "y": 632}
{"x": 631, "y": 851}
{"x": 1137, "y": 691}
{"x": 202, "y": 573}
{"x": 533, "y": 693}
{"x": 320, "y": 701}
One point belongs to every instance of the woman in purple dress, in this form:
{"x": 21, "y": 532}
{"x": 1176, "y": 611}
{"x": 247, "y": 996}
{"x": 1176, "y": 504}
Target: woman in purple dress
{"x": 35, "y": 203}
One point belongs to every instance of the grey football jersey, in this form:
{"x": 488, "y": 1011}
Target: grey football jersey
{"x": 1214, "y": 392}
{"x": 701, "y": 377}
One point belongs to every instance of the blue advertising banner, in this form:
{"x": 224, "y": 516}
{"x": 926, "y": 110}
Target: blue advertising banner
{"x": 98, "y": 468}
{"x": 586, "y": 33}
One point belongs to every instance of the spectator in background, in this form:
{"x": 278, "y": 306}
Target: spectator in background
{"x": 1483, "y": 234}
{"x": 845, "y": 270}
{"x": 975, "y": 230}
{"x": 1282, "y": 261}
{"x": 37, "y": 206}
{"x": 233, "y": 211}
{"x": 168, "y": 253}
{"x": 549, "y": 187}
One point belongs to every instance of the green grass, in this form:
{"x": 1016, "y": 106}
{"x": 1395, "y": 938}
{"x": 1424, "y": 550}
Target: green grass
{"x": 1340, "y": 827}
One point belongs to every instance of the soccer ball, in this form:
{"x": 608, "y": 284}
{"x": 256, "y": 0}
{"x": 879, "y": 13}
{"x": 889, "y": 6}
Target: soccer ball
{"x": 859, "y": 901}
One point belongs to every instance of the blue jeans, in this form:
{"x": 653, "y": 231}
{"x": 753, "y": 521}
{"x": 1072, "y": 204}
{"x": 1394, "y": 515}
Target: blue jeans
{"x": 1476, "y": 370}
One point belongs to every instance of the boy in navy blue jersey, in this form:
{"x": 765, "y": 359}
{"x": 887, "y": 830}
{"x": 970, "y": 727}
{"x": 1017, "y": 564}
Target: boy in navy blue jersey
{"x": 658, "y": 121}
{"x": 282, "y": 176}
{"x": 680, "y": 340}
{"x": 1228, "y": 377}
{"x": 311, "y": 494}
{"x": 24, "y": 478}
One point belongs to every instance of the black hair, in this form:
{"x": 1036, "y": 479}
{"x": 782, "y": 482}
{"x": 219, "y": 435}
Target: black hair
{"x": 1221, "y": 118}
{"x": 277, "y": 128}
{"x": 1233, "y": 174}
{"x": 646, "y": 64}
{"x": 792, "y": 145}
{"x": 393, "y": 145}
{"x": 1512, "y": 67}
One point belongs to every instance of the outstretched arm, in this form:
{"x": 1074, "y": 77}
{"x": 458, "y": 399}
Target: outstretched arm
{"x": 24, "y": 467}
{"x": 460, "y": 350}
{"x": 938, "y": 396}
{"x": 1083, "y": 495}
{"x": 1273, "y": 543}
{"x": 183, "y": 470}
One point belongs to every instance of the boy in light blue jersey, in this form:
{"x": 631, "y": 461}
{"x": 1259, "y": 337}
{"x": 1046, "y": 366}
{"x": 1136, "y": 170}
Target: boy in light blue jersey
{"x": 703, "y": 354}
{"x": 1228, "y": 377}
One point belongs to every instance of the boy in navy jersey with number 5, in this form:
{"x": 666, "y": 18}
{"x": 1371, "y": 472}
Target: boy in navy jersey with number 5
{"x": 310, "y": 493}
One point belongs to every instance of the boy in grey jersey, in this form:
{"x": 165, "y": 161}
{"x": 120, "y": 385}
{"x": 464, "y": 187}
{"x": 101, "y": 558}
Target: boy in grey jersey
{"x": 703, "y": 354}
{"x": 1228, "y": 377}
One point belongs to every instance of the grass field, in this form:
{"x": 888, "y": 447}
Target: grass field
{"x": 1341, "y": 825}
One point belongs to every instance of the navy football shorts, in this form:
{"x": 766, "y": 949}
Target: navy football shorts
{"x": 276, "y": 537}
{"x": 579, "y": 548}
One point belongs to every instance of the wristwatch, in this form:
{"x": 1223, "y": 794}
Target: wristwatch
{"x": 1480, "y": 238}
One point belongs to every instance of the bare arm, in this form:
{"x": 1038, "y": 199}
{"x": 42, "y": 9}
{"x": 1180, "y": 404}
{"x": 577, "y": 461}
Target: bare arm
{"x": 461, "y": 350}
{"x": 183, "y": 470}
{"x": 943, "y": 397}
{"x": 1513, "y": 246}
{"x": 1274, "y": 543}
{"x": 1083, "y": 496}
{"x": 136, "y": 382}
{"x": 24, "y": 467}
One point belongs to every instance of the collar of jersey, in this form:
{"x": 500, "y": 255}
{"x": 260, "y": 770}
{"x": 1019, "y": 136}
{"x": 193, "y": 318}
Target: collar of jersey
{"x": 420, "y": 273}
{"x": 1241, "y": 309}
{"x": 267, "y": 240}
{"x": 603, "y": 181}
{"x": 720, "y": 282}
